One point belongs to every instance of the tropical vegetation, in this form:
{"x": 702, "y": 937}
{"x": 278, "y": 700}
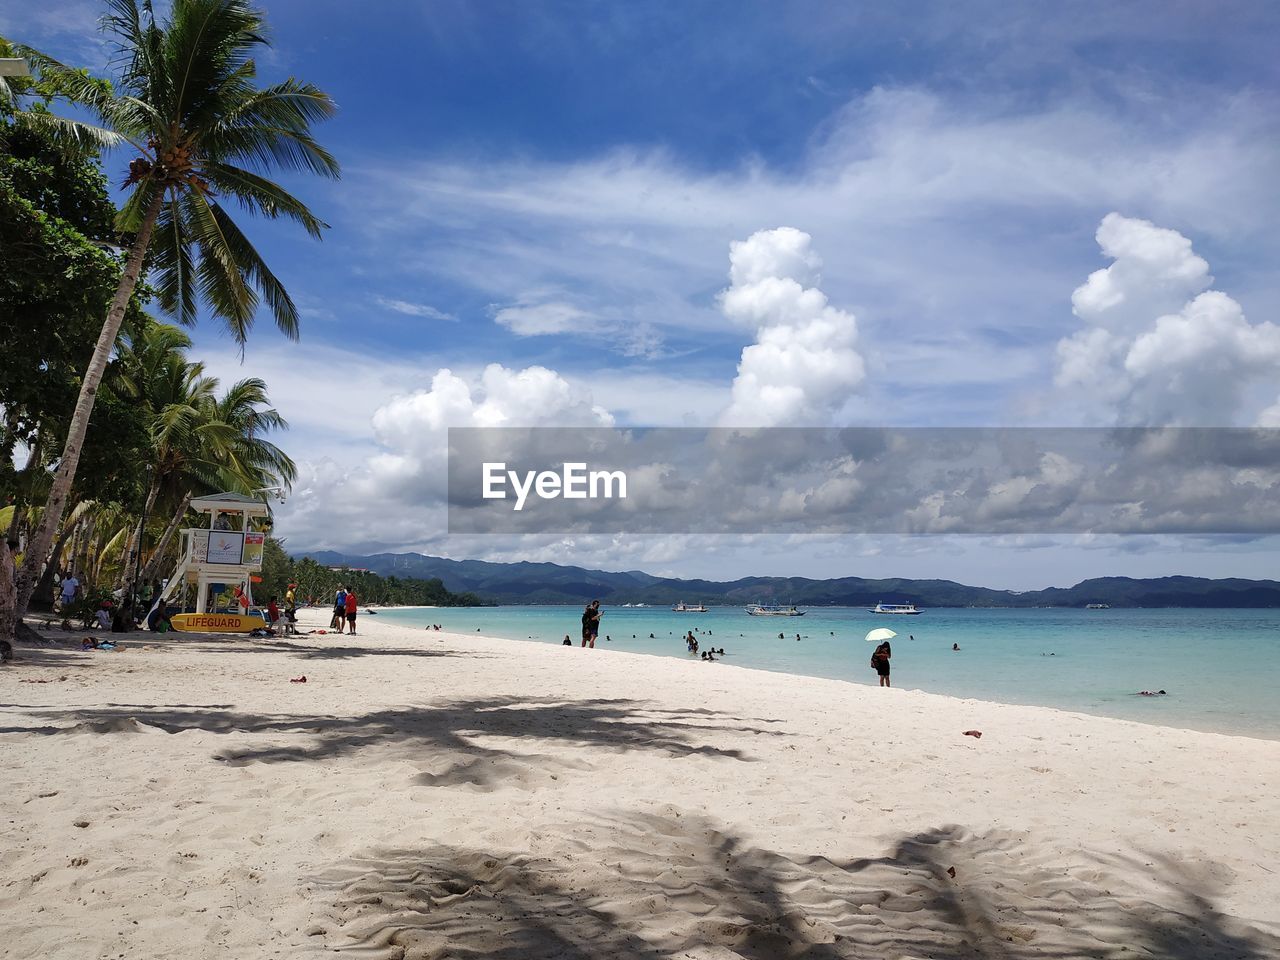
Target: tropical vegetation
{"x": 89, "y": 380}
{"x": 317, "y": 582}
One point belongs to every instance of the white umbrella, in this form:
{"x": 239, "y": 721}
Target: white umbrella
{"x": 883, "y": 633}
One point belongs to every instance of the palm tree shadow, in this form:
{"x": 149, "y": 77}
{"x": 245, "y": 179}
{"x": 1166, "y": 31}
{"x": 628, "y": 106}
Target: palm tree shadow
{"x": 673, "y": 885}
{"x": 477, "y": 744}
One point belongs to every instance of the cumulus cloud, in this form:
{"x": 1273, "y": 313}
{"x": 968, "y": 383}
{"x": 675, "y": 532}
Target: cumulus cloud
{"x": 394, "y": 493}
{"x": 804, "y": 365}
{"x": 1159, "y": 347}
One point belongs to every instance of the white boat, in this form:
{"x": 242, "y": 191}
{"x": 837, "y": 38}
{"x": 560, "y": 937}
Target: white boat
{"x": 683, "y": 607}
{"x": 627, "y": 606}
{"x": 773, "y": 610}
{"x": 900, "y": 609}
{"x": 1097, "y": 606}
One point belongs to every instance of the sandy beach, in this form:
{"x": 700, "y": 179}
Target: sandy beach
{"x": 431, "y": 795}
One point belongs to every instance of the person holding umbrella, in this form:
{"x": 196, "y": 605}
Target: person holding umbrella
{"x": 880, "y": 659}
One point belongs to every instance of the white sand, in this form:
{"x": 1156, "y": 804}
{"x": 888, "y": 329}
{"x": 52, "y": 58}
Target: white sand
{"x": 434, "y": 795}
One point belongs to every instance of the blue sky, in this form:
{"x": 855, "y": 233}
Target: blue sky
{"x": 557, "y": 186}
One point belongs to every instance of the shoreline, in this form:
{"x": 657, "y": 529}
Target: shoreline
{"x": 1113, "y": 705}
{"x": 438, "y": 793}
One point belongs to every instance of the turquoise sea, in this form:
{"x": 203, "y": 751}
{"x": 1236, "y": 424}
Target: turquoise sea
{"x": 1220, "y": 667}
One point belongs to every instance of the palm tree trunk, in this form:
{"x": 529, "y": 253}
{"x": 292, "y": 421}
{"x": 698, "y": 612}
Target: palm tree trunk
{"x": 125, "y": 580}
{"x": 38, "y": 548}
{"x": 153, "y": 563}
{"x": 8, "y": 597}
{"x": 42, "y": 596}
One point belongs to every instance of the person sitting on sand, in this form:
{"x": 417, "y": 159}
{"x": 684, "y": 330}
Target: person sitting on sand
{"x": 880, "y": 662}
{"x": 567, "y": 641}
{"x": 158, "y": 620}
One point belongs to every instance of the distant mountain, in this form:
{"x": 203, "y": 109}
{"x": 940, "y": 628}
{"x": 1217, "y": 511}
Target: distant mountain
{"x": 553, "y": 583}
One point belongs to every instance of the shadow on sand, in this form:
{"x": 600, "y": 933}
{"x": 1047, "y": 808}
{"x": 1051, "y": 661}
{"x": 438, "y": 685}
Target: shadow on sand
{"x": 479, "y": 743}
{"x": 670, "y": 886}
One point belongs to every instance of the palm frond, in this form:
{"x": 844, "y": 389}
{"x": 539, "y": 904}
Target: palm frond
{"x": 233, "y": 260}
{"x": 261, "y": 196}
{"x": 72, "y": 136}
{"x": 173, "y": 272}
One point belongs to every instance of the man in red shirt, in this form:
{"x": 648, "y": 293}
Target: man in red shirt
{"x": 351, "y": 612}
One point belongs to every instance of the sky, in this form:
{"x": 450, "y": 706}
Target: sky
{"x": 763, "y": 214}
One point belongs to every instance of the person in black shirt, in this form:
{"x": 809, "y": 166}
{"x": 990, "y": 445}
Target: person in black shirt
{"x": 591, "y": 624}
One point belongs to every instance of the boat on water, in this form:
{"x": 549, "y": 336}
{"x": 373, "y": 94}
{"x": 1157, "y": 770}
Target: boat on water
{"x": 773, "y": 610}
{"x": 1097, "y": 606}
{"x": 900, "y": 609}
{"x": 683, "y": 607}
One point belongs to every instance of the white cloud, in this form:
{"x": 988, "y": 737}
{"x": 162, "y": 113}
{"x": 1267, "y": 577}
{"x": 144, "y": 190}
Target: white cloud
{"x": 941, "y": 220}
{"x": 414, "y": 309}
{"x": 804, "y": 366}
{"x": 534, "y": 316}
{"x": 391, "y": 489}
{"x": 1159, "y": 347}
{"x": 542, "y": 319}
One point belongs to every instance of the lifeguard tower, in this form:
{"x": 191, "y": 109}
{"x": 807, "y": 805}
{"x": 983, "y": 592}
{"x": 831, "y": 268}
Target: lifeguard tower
{"x": 217, "y": 564}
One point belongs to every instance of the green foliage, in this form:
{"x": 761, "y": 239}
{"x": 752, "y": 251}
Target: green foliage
{"x": 56, "y": 220}
{"x": 276, "y": 571}
{"x": 319, "y": 583}
{"x": 57, "y": 278}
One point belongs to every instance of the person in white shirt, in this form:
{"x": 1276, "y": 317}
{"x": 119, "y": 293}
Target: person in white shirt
{"x": 70, "y": 589}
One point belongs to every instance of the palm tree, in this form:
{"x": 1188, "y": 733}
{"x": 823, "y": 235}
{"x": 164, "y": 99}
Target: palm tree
{"x": 154, "y": 372}
{"x": 187, "y": 102}
{"x": 230, "y": 453}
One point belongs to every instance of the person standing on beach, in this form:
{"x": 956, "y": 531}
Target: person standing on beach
{"x": 352, "y": 607}
{"x": 591, "y": 624}
{"x": 880, "y": 661}
{"x": 339, "y": 609}
{"x": 70, "y": 589}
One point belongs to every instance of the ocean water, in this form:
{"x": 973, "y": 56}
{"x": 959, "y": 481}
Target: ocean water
{"x": 1220, "y": 667}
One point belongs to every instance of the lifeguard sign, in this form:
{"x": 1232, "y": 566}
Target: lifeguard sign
{"x": 228, "y": 550}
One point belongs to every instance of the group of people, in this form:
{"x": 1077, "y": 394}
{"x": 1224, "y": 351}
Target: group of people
{"x": 345, "y": 607}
